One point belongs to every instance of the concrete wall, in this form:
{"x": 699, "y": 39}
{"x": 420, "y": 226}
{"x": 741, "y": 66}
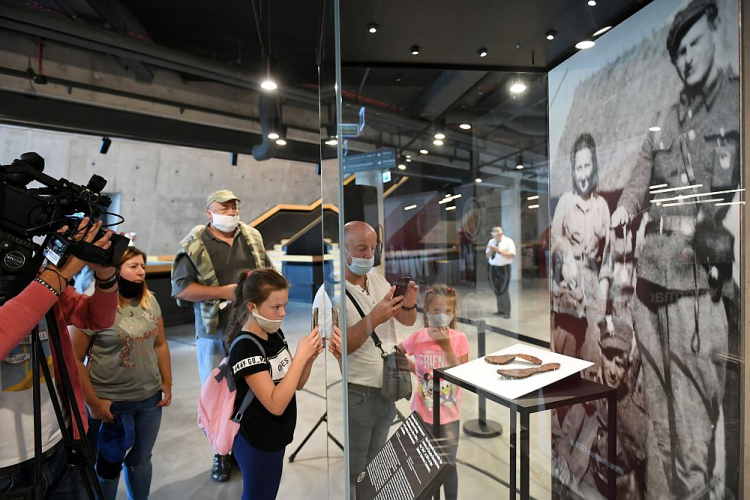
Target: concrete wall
{"x": 163, "y": 188}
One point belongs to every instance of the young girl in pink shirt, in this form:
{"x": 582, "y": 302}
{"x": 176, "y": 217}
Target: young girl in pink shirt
{"x": 439, "y": 345}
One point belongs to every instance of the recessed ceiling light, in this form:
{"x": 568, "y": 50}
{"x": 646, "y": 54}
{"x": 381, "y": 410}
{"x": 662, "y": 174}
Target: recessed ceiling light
{"x": 415, "y": 50}
{"x": 273, "y": 136}
{"x": 447, "y": 195}
{"x": 402, "y": 167}
{"x": 332, "y": 142}
{"x": 592, "y": 3}
{"x": 410, "y": 207}
{"x": 373, "y": 27}
{"x": 268, "y": 85}
{"x": 535, "y": 197}
{"x": 478, "y": 180}
{"x": 437, "y": 142}
{"x": 517, "y": 88}
{"x": 440, "y": 136}
{"x": 281, "y": 142}
{"x": 654, "y": 129}
{"x": 452, "y": 207}
{"x": 603, "y": 30}
{"x": 424, "y": 152}
{"x": 482, "y": 52}
{"x": 533, "y": 206}
{"x": 551, "y": 34}
{"x": 465, "y": 126}
{"x": 585, "y": 44}
{"x": 408, "y": 160}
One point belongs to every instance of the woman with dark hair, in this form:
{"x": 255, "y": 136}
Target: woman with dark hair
{"x": 261, "y": 362}
{"x": 580, "y": 245}
{"x": 126, "y": 382}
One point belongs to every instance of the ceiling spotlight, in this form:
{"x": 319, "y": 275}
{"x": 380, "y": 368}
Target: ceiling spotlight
{"x": 482, "y": 52}
{"x": 402, "y": 166}
{"x": 478, "y": 180}
{"x": 603, "y": 30}
{"x": 408, "y": 160}
{"x": 551, "y": 34}
{"x": 517, "y": 88}
{"x": 440, "y": 136}
{"x": 519, "y": 163}
{"x": 465, "y": 126}
{"x": 585, "y": 44}
{"x": 332, "y": 142}
{"x": 105, "y": 144}
{"x": 268, "y": 84}
{"x": 452, "y": 207}
{"x": 280, "y": 142}
{"x": 437, "y": 142}
{"x": 408, "y": 156}
{"x": 424, "y": 152}
{"x": 654, "y": 129}
{"x": 415, "y": 50}
{"x": 273, "y": 136}
{"x": 373, "y": 28}
{"x": 592, "y": 3}
{"x": 519, "y": 167}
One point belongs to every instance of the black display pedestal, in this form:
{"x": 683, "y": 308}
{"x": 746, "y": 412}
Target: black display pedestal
{"x": 569, "y": 391}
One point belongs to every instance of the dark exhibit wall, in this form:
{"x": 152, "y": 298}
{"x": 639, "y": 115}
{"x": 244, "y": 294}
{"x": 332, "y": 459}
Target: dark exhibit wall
{"x": 645, "y": 192}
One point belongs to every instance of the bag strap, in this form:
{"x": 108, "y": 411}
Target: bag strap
{"x": 374, "y": 335}
{"x": 249, "y": 396}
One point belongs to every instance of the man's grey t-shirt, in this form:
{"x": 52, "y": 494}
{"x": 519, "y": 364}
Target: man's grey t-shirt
{"x": 227, "y": 262}
{"x": 123, "y": 365}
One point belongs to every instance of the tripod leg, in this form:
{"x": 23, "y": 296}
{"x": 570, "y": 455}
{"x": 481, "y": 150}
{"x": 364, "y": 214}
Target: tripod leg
{"x": 309, "y": 435}
{"x": 79, "y": 451}
{"x": 37, "y": 357}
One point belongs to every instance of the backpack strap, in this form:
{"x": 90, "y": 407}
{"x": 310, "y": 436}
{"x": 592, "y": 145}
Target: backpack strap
{"x": 374, "y": 335}
{"x": 249, "y": 396}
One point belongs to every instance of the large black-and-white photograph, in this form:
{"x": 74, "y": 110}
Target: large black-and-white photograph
{"x": 645, "y": 193}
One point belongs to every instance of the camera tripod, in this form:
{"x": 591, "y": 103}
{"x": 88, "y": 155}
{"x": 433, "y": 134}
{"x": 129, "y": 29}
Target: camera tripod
{"x": 79, "y": 453}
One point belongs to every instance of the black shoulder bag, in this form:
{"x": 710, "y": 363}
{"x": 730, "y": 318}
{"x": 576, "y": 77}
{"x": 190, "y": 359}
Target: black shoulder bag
{"x": 396, "y": 375}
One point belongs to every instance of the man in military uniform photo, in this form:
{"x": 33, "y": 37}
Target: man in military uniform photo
{"x": 680, "y": 321}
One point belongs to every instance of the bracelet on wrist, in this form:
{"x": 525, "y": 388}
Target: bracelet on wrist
{"x": 109, "y": 282}
{"x": 166, "y": 382}
{"x": 408, "y": 308}
{"x": 47, "y": 285}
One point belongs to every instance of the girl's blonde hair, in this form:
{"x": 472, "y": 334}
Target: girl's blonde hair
{"x": 144, "y": 296}
{"x": 440, "y": 290}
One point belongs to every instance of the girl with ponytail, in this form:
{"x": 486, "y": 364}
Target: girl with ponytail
{"x": 272, "y": 374}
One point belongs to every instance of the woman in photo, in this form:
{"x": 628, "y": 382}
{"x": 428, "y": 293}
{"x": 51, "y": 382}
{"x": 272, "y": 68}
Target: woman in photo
{"x": 126, "y": 382}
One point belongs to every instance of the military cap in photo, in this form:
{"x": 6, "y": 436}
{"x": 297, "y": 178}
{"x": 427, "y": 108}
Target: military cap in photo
{"x": 221, "y": 196}
{"x": 685, "y": 19}
{"x": 621, "y": 339}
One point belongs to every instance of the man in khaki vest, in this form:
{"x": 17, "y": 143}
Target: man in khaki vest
{"x": 203, "y": 273}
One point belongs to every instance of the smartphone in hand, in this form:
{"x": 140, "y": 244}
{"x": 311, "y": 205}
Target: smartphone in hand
{"x": 401, "y": 285}
{"x": 314, "y": 318}
{"x": 335, "y": 316}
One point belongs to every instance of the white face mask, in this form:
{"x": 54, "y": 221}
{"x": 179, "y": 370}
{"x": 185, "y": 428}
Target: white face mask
{"x": 360, "y": 266}
{"x": 439, "y": 320}
{"x": 269, "y": 325}
{"x": 225, "y": 223}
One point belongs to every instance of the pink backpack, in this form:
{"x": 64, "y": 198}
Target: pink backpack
{"x": 216, "y": 415}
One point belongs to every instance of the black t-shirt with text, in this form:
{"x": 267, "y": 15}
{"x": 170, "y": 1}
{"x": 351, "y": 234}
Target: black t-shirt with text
{"x": 262, "y": 429}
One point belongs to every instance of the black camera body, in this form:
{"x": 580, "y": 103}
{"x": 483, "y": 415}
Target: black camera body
{"x": 27, "y": 212}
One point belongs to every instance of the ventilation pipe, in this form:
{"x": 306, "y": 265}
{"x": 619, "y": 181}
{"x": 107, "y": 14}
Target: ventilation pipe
{"x": 267, "y": 110}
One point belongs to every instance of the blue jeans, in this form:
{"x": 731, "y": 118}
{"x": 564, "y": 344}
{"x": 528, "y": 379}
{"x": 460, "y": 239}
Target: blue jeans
{"x": 60, "y": 480}
{"x": 261, "y": 470}
{"x": 370, "y": 419}
{"x": 138, "y": 468}
{"x": 210, "y": 352}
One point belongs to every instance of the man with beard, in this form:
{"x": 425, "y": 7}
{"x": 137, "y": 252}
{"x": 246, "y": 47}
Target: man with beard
{"x": 680, "y": 321}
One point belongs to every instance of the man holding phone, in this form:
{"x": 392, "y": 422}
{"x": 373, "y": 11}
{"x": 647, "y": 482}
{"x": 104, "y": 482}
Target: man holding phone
{"x": 370, "y": 415}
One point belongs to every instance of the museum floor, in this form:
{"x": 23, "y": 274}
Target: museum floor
{"x": 182, "y": 456}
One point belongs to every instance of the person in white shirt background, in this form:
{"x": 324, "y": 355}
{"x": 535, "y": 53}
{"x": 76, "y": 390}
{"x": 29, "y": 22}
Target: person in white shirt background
{"x": 500, "y": 251}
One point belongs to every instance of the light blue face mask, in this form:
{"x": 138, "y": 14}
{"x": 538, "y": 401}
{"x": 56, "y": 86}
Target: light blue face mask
{"x": 360, "y": 266}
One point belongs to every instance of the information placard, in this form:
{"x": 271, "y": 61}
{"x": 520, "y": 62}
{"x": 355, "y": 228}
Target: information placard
{"x": 410, "y": 466}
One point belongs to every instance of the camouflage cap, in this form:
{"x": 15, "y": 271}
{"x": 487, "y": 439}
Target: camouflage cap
{"x": 621, "y": 339}
{"x": 685, "y": 19}
{"x": 220, "y": 196}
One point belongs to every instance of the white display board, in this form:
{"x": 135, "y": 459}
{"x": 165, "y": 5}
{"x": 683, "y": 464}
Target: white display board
{"x": 485, "y": 376}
